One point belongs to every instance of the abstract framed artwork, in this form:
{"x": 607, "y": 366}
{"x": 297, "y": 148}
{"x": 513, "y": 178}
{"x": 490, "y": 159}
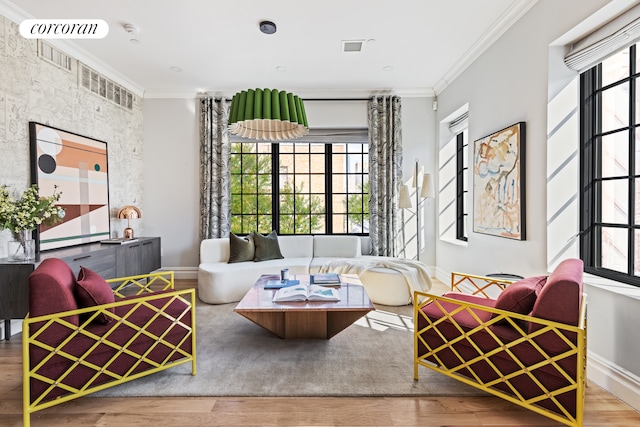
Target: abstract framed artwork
{"x": 499, "y": 183}
{"x": 77, "y": 166}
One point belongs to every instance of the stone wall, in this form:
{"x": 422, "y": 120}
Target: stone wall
{"x": 33, "y": 89}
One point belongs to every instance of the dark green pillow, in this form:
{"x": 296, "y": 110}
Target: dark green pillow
{"x": 241, "y": 249}
{"x": 267, "y": 247}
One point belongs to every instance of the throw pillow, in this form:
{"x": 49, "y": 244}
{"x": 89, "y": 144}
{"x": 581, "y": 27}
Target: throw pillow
{"x": 241, "y": 249}
{"x": 267, "y": 247}
{"x": 519, "y": 297}
{"x": 93, "y": 290}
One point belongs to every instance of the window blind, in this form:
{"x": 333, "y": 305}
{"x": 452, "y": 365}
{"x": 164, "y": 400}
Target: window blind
{"x": 459, "y": 124}
{"x": 620, "y": 32}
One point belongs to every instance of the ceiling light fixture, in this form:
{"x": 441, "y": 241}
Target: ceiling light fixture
{"x": 267, "y": 114}
{"x": 388, "y": 68}
{"x": 280, "y": 68}
{"x": 267, "y": 27}
{"x": 130, "y": 28}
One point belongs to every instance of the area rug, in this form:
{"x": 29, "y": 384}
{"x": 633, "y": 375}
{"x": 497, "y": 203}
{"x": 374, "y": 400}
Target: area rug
{"x": 235, "y": 357}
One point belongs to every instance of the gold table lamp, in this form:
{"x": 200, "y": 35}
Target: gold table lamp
{"x": 129, "y": 212}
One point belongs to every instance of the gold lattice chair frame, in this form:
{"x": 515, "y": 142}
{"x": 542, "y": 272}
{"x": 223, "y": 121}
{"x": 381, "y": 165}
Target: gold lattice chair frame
{"x": 432, "y": 356}
{"x": 145, "y": 287}
{"x": 483, "y": 286}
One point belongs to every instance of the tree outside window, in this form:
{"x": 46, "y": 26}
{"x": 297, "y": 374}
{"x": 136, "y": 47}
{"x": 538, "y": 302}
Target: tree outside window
{"x": 319, "y": 188}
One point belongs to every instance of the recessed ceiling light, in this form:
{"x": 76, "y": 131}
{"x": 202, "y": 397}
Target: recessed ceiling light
{"x": 175, "y": 68}
{"x": 134, "y": 41}
{"x": 280, "y": 68}
{"x": 388, "y": 68}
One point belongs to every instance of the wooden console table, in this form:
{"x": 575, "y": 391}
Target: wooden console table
{"x": 110, "y": 261}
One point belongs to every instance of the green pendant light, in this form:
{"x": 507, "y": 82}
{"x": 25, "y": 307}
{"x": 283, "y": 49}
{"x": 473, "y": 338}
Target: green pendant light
{"x": 267, "y": 114}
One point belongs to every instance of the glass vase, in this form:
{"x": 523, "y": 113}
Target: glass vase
{"x": 22, "y": 247}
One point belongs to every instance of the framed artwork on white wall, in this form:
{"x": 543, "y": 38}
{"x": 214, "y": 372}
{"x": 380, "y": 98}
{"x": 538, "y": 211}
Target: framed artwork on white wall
{"x": 499, "y": 183}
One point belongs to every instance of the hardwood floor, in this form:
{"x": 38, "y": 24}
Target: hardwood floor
{"x": 602, "y": 409}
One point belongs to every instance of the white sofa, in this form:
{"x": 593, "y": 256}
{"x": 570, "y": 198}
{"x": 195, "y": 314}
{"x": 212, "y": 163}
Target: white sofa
{"x": 220, "y": 282}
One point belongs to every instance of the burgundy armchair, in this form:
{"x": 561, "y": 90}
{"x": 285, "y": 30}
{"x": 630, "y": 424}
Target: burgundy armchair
{"x": 527, "y": 346}
{"x": 82, "y": 336}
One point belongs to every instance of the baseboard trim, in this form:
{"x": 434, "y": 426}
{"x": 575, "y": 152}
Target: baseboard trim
{"x": 16, "y": 328}
{"x": 183, "y": 273}
{"x": 614, "y": 379}
{"x": 442, "y": 275}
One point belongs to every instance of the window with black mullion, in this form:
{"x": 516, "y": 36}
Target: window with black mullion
{"x": 609, "y": 223}
{"x": 461, "y": 167}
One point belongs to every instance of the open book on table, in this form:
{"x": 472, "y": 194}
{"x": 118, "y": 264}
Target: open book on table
{"x": 306, "y": 293}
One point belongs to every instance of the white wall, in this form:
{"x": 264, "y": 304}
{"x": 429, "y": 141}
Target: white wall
{"x": 418, "y": 143}
{"x": 172, "y": 179}
{"x": 508, "y": 84}
{"x": 171, "y": 173}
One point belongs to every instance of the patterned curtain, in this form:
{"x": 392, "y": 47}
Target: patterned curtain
{"x": 385, "y": 175}
{"x": 215, "y": 195}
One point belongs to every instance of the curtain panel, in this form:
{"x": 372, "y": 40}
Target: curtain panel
{"x": 215, "y": 194}
{"x": 385, "y": 174}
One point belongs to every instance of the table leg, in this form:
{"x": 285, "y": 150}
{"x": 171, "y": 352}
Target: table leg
{"x": 7, "y": 329}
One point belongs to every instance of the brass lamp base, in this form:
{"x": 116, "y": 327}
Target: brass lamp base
{"x": 128, "y": 233}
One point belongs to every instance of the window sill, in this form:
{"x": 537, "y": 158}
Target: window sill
{"x": 612, "y": 286}
{"x": 455, "y": 242}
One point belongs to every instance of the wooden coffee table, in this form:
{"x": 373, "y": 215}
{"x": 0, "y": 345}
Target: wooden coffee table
{"x": 305, "y": 319}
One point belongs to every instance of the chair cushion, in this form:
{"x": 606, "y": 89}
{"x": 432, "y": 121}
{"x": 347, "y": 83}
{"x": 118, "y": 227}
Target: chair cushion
{"x": 93, "y": 290}
{"x": 462, "y": 317}
{"x": 51, "y": 289}
{"x": 241, "y": 249}
{"x": 267, "y": 247}
{"x": 519, "y": 297}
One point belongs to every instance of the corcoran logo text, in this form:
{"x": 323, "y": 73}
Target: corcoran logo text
{"x": 64, "y": 29}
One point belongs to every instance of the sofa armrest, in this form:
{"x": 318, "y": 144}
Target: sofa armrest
{"x": 488, "y": 287}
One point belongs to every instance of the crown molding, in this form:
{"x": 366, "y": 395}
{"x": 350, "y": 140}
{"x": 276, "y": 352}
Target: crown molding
{"x": 501, "y": 26}
{"x": 17, "y": 15}
{"x": 302, "y": 93}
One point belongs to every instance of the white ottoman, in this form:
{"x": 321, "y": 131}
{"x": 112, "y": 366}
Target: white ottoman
{"x": 385, "y": 286}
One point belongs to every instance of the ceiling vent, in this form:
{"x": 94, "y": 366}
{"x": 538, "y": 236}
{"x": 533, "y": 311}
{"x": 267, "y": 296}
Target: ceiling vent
{"x": 54, "y": 56}
{"x": 352, "y": 45}
{"x": 102, "y": 86}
